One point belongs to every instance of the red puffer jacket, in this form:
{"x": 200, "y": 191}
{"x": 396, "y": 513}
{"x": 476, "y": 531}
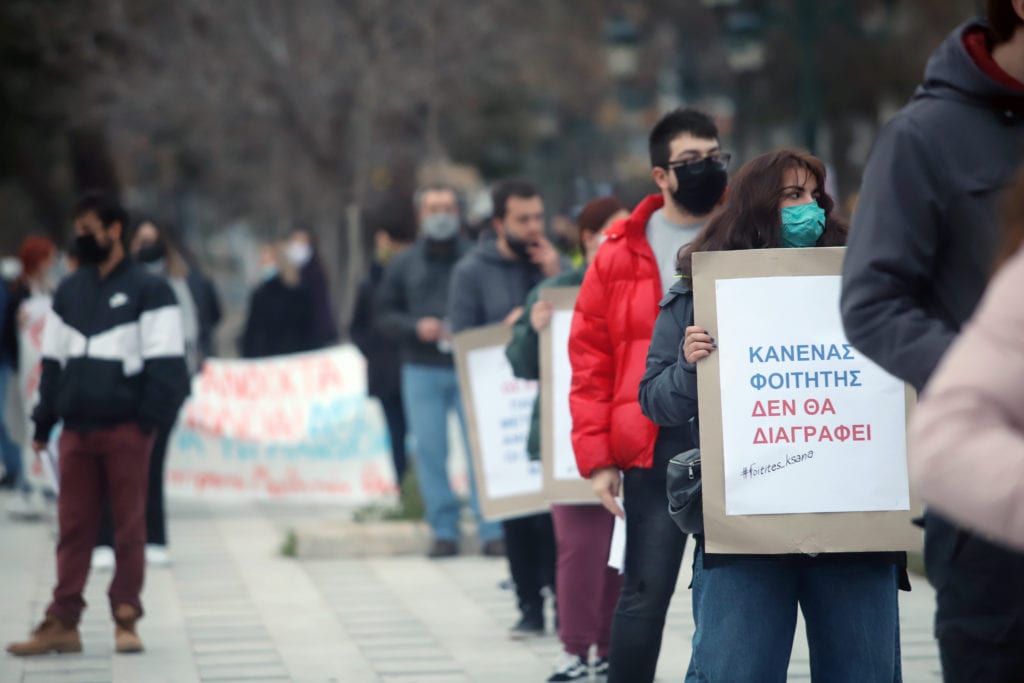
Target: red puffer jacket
{"x": 611, "y": 331}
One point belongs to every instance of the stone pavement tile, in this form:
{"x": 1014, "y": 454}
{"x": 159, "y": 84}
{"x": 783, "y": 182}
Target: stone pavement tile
{"x": 305, "y": 630}
{"x": 472, "y": 636}
{"x": 235, "y": 647}
{"x": 232, "y": 658}
{"x": 395, "y": 642}
{"x": 377, "y": 653}
{"x": 68, "y": 677}
{"x": 250, "y": 632}
{"x": 268, "y": 670}
{"x": 417, "y": 667}
{"x": 421, "y": 678}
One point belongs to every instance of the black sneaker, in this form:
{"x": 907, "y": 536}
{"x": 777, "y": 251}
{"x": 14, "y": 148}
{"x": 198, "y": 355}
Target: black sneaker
{"x": 443, "y": 548}
{"x": 570, "y": 668}
{"x": 601, "y": 667}
{"x": 528, "y": 626}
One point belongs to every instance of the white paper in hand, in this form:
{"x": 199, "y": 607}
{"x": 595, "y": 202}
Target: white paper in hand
{"x": 50, "y": 468}
{"x": 617, "y": 552}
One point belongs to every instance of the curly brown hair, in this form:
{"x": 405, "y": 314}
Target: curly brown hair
{"x": 750, "y": 217}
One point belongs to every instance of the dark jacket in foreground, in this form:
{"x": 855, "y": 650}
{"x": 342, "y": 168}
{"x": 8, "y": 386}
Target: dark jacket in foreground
{"x": 113, "y": 352}
{"x": 921, "y": 251}
{"x": 415, "y": 286}
{"x": 925, "y": 231}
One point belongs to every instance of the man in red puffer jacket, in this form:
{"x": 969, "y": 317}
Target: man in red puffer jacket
{"x": 611, "y": 331}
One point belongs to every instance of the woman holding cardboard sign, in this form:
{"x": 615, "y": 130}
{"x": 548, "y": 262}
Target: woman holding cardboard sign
{"x": 745, "y": 606}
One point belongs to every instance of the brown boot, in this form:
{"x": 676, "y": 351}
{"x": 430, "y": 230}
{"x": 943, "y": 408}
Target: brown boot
{"x": 125, "y": 638}
{"x": 49, "y": 636}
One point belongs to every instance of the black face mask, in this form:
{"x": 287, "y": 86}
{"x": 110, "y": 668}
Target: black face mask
{"x": 521, "y": 248}
{"x": 699, "y": 186}
{"x": 151, "y": 252}
{"x": 90, "y": 250}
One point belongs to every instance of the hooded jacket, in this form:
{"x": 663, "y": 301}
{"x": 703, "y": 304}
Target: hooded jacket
{"x": 920, "y": 253}
{"x": 485, "y": 286}
{"x": 925, "y": 231}
{"x": 611, "y": 330}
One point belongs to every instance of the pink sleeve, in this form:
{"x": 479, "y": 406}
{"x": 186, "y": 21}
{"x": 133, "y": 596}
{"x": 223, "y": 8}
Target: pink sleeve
{"x": 967, "y": 438}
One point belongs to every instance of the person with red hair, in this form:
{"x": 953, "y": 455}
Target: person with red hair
{"x": 37, "y": 256}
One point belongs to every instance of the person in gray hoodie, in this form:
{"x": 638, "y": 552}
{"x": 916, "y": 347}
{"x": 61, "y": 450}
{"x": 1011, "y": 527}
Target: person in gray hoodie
{"x": 489, "y": 286}
{"x": 920, "y": 253}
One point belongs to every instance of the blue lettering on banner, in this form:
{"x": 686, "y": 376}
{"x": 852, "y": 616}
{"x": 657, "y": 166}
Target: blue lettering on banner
{"x": 802, "y": 353}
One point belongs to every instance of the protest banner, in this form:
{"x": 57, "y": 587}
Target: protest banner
{"x": 498, "y": 409}
{"x": 31, "y": 323}
{"x": 803, "y": 439}
{"x": 562, "y": 481}
{"x": 289, "y": 428}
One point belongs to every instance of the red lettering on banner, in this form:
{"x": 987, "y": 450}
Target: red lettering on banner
{"x": 260, "y": 480}
{"x": 805, "y": 434}
{"x": 246, "y": 422}
{"x": 303, "y": 378}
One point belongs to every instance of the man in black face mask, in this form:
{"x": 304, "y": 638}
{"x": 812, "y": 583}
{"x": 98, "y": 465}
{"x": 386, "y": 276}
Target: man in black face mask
{"x": 611, "y": 332}
{"x": 488, "y": 286}
{"x": 114, "y": 373}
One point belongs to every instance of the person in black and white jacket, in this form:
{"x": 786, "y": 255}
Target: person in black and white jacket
{"x": 114, "y": 372}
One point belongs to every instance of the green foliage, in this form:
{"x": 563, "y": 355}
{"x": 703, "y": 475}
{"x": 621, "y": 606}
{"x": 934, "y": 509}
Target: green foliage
{"x": 409, "y": 508}
{"x": 290, "y": 545}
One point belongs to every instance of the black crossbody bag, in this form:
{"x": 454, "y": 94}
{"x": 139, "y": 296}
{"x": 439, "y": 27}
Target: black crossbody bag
{"x": 685, "y": 500}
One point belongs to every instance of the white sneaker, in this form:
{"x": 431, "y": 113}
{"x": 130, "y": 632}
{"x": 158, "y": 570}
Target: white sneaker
{"x": 103, "y": 557}
{"x": 569, "y": 668}
{"x": 157, "y": 555}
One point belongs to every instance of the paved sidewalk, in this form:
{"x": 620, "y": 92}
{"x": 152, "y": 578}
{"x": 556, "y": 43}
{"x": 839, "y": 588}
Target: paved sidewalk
{"x": 232, "y": 609}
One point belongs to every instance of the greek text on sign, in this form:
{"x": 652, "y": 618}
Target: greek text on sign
{"x": 809, "y": 424}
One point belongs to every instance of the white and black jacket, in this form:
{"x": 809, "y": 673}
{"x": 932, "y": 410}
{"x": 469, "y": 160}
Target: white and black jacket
{"x": 113, "y": 352}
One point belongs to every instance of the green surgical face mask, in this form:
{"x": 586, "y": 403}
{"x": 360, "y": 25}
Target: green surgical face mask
{"x": 802, "y": 225}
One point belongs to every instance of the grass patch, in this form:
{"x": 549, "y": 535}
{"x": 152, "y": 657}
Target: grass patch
{"x": 409, "y": 508}
{"x": 290, "y": 546}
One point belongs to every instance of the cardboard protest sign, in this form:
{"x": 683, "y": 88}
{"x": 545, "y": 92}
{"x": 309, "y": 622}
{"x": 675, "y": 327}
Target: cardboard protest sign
{"x": 498, "y": 409}
{"x": 287, "y": 428}
{"x": 562, "y": 480}
{"x": 803, "y": 439}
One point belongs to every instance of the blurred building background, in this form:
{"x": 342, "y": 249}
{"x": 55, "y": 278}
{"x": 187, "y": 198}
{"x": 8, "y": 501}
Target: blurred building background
{"x": 239, "y": 120}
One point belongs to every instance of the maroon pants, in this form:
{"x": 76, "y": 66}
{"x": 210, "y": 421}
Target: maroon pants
{"x": 109, "y": 464}
{"x": 587, "y": 589}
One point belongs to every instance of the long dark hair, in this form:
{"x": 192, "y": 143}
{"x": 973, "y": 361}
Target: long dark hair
{"x": 750, "y": 217}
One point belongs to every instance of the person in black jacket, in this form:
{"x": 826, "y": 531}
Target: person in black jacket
{"x": 922, "y": 249}
{"x": 412, "y": 309}
{"x": 114, "y": 373}
{"x": 282, "y": 318}
{"x": 394, "y": 229}
{"x": 303, "y": 255}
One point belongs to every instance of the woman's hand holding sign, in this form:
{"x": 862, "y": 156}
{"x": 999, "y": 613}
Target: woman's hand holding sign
{"x": 697, "y": 344}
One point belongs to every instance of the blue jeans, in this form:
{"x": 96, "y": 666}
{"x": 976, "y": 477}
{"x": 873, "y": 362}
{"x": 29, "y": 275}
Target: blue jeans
{"x": 745, "y": 611}
{"x": 10, "y": 452}
{"x": 429, "y": 394}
